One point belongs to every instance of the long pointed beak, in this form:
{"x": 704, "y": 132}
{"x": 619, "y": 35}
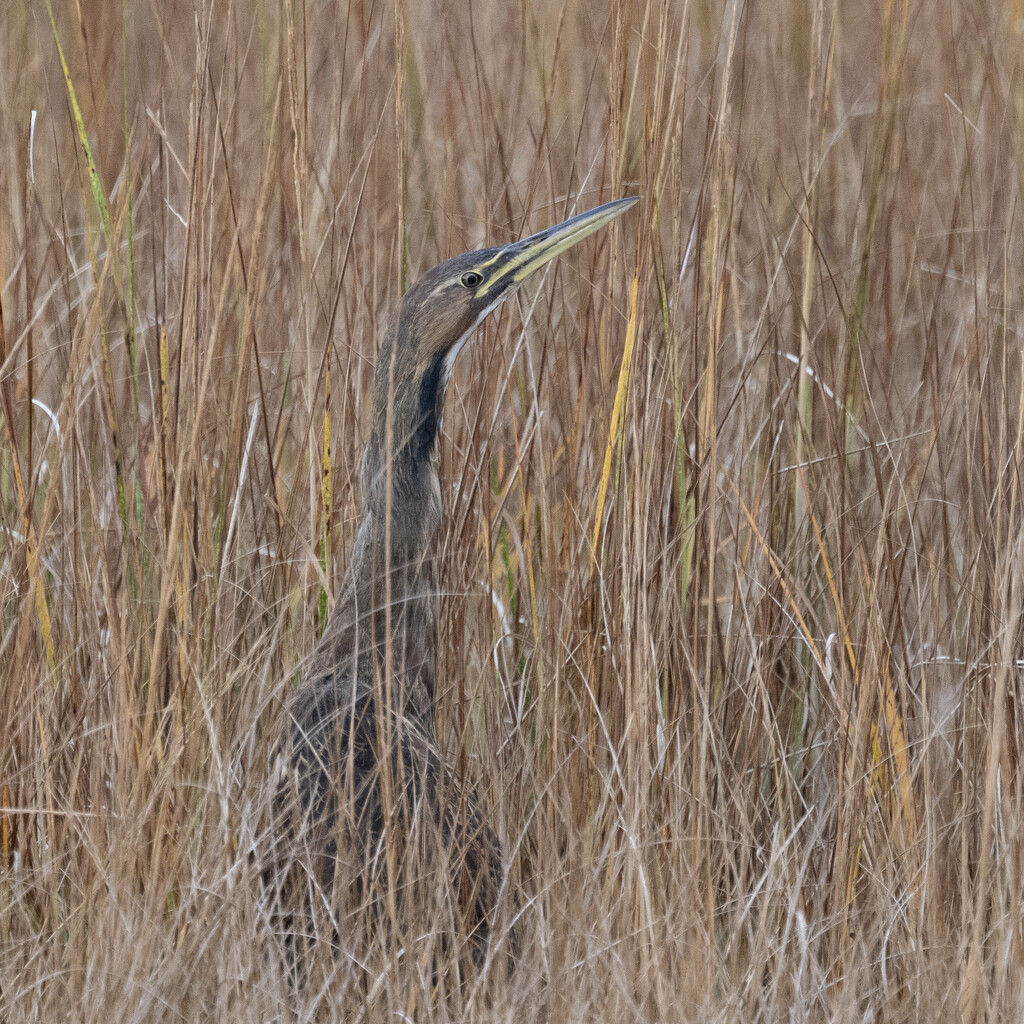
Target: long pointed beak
{"x": 515, "y": 262}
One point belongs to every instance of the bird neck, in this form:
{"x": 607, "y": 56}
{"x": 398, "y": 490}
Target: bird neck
{"x": 385, "y": 622}
{"x": 408, "y": 401}
{"x": 402, "y": 502}
{"x": 400, "y": 486}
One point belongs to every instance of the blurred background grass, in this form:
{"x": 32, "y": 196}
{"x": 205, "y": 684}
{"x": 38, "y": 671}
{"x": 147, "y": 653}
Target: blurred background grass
{"x": 731, "y": 646}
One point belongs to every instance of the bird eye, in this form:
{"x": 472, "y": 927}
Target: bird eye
{"x": 470, "y": 279}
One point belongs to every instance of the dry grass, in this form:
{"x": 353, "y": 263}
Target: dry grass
{"x": 748, "y": 716}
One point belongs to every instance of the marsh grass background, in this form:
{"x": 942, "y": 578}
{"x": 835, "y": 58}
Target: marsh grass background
{"x": 731, "y": 647}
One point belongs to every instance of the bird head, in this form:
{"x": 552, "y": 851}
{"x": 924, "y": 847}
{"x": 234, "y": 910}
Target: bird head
{"x": 443, "y": 308}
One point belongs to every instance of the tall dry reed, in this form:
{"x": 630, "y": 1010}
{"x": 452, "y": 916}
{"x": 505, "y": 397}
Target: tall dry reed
{"x": 733, "y": 564}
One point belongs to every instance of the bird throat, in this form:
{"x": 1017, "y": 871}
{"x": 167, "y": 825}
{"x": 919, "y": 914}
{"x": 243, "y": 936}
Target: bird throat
{"x": 386, "y": 615}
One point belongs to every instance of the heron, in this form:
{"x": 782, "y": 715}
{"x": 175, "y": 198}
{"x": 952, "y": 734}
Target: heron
{"x": 371, "y": 822}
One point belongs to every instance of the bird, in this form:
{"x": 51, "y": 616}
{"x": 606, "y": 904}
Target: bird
{"x": 371, "y": 826}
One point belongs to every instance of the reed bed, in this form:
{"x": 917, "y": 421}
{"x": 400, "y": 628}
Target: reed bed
{"x": 733, "y": 568}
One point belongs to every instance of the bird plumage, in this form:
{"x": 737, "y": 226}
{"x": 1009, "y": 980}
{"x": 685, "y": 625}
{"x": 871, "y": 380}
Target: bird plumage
{"x": 370, "y": 822}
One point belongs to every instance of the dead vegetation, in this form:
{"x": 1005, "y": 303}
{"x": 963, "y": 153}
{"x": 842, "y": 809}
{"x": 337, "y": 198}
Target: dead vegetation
{"x": 733, "y": 573}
